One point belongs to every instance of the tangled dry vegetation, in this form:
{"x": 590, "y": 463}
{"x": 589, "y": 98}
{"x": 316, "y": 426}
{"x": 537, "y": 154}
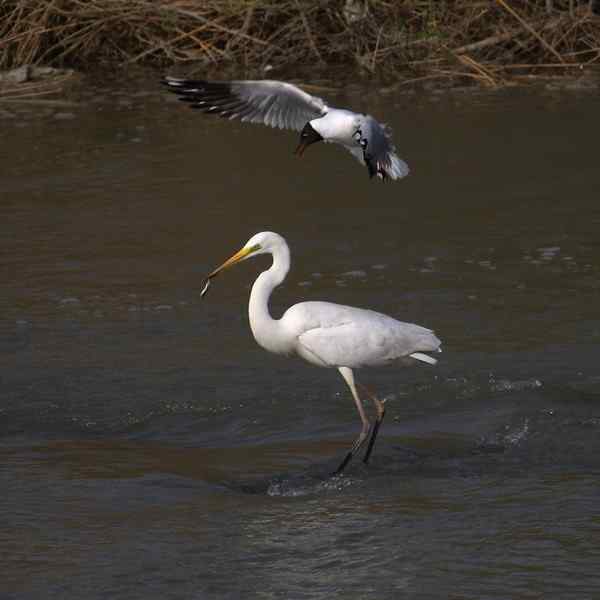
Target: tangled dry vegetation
{"x": 488, "y": 41}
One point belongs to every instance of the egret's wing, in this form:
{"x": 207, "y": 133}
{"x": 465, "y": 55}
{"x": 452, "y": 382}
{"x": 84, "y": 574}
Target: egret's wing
{"x": 331, "y": 345}
{"x": 366, "y": 338}
{"x": 380, "y": 153}
{"x": 272, "y": 103}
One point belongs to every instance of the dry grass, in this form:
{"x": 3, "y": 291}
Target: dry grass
{"x": 35, "y": 83}
{"x": 488, "y": 41}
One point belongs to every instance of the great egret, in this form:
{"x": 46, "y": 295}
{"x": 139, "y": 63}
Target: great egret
{"x": 286, "y": 106}
{"x": 327, "y": 334}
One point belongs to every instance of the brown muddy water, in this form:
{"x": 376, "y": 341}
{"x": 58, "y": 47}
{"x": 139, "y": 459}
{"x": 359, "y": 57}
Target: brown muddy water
{"x": 150, "y": 449}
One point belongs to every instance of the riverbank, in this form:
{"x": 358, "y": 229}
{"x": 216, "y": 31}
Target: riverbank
{"x": 491, "y": 42}
{"x": 150, "y": 450}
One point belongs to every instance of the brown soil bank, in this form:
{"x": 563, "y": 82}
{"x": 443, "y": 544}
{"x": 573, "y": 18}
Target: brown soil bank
{"x": 489, "y": 41}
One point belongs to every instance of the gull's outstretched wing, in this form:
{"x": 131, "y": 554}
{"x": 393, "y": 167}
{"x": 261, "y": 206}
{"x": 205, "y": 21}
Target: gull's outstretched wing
{"x": 272, "y": 103}
{"x": 357, "y": 152}
{"x": 379, "y": 152}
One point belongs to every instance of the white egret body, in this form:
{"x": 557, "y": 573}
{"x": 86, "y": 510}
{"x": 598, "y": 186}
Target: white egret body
{"x": 327, "y": 334}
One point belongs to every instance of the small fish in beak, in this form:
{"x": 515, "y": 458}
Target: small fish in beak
{"x": 240, "y": 255}
{"x": 206, "y": 285}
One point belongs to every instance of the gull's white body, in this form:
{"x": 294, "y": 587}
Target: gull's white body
{"x": 338, "y": 125}
{"x": 326, "y": 334}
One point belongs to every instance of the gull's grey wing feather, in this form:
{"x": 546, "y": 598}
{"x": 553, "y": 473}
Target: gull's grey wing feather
{"x": 273, "y": 103}
{"x": 357, "y": 152}
{"x": 380, "y": 153}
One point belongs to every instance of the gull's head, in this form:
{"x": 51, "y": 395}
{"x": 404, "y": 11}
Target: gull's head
{"x": 309, "y": 135}
{"x": 261, "y": 243}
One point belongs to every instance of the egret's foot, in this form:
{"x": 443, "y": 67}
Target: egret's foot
{"x": 344, "y": 463}
{"x": 378, "y": 421}
{"x": 360, "y": 440}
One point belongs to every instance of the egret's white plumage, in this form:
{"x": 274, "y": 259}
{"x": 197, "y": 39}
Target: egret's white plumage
{"x": 327, "y": 334}
{"x": 283, "y": 105}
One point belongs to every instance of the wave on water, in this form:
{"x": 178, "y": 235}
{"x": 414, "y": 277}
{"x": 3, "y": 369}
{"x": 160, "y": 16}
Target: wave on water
{"x": 300, "y": 486}
{"x": 296, "y": 485}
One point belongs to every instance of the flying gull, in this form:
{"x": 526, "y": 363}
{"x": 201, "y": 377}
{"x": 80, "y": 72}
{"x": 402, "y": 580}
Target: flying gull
{"x": 283, "y": 105}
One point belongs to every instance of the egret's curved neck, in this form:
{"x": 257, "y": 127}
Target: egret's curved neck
{"x": 265, "y": 329}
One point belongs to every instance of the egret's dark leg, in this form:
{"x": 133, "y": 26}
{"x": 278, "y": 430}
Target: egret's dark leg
{"x": 348, "y": 376}
{"x": 380, "y": 408}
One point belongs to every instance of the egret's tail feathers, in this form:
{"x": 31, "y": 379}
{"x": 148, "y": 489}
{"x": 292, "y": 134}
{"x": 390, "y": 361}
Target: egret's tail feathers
{"x": 424, "y": 358}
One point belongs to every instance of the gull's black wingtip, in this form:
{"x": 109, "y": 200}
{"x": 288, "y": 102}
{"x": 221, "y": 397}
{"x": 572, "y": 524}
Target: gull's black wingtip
{"x": 171, "y": 83}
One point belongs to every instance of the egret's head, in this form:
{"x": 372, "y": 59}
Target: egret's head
{"x": 309, "y": 135}
{"x": 261, "y": 243}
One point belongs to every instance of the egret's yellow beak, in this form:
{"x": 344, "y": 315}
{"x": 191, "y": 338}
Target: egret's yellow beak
{"x": 236, "y": 258}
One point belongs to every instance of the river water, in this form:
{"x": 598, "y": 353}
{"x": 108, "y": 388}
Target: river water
{"x": 150, "y": 449}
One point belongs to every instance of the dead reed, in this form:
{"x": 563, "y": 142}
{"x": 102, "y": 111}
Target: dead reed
{"x": 486, "y": 41}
